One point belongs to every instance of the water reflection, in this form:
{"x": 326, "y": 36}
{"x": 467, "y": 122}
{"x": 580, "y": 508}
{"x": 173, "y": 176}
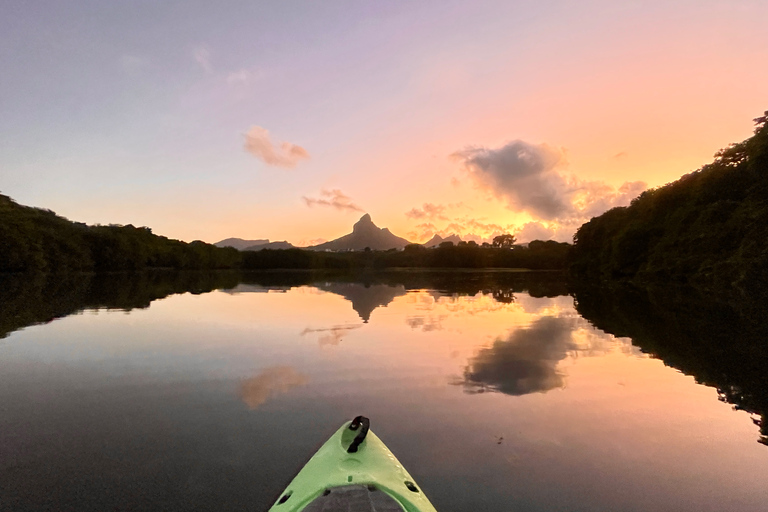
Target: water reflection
{"x": 527, "y": 359}
{"x": 722, "y": 342}
{"x": 164, "y": 407}
{"x": 426, "y": 323}
{"x": 364, "y": 297}
{"x": 700, "y": 335}
{"x": 524, "y": 362}
{"x": 270, "y": 382}
{"x": 331, "y": 335}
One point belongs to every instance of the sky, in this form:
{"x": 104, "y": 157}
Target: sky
{"x": 289, "y": 120}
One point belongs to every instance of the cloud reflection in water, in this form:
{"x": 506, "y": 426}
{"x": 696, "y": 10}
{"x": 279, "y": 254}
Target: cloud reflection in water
{"x": 526, "y": 361}
{"x": 270, "y": 382}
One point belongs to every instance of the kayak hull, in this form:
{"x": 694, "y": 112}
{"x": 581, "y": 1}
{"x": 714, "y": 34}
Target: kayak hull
{"x": 370, "y": 465}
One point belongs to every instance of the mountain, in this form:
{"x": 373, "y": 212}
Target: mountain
{"x": 364, "y": 234}
{"x": 270, "y": 245}
{"x": 239, "y": 243}
{"x": 436, "y": 240}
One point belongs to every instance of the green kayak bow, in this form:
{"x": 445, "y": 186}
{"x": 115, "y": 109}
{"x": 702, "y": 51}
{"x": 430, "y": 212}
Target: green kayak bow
{"x": 353, "y": 471}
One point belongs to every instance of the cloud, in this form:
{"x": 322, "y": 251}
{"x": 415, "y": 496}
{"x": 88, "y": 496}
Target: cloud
{"x": 534, "y": 231}
{"x": 259, "y": 144}
{"x": 596, "y": 198}
{"x": 309, "y": 242}
{"x": 523, "y": 174}
{"x": 428, "y": 211}
{"x": 270, "y": 382}
{"x": 334, "y": 198}
{"x": 202, "y": 56}
{"x": 468, "y": 228}
{"x": 530, "y": 178}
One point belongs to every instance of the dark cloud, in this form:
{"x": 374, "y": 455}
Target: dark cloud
{"x": 335, "y": 199}
{"x": 523, "y": 174}
{"x": 529, "y": 178}
{"x": 525, "y": 362}
{"x": 259, "y": 143}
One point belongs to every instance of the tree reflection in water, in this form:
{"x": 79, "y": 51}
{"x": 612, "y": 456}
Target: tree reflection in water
{"x": 722, "y": 343}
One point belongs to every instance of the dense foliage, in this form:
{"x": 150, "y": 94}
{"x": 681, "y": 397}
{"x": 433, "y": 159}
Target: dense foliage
{"x": 538, "y": 256}
{"x": 37, "y": 240}
{"x": 33, "y": 239}
{"x": 710, "y": 227}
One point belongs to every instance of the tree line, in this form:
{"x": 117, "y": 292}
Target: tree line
{"x": 708, "y": 228}
{"x": 38, "y": 240}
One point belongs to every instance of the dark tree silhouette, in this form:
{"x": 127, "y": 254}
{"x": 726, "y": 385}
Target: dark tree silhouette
{"x": 505, "y": 241}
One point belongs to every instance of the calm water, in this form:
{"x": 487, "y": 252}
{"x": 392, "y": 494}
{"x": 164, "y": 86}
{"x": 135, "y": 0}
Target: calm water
{"x": 492, "y": 390}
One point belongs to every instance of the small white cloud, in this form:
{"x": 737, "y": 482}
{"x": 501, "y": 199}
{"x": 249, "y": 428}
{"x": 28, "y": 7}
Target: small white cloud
{"x": 284, "y": 154}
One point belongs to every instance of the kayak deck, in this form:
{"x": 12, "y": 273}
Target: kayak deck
{"x": 353, "y": 472}
{"x": 357, "y": 498}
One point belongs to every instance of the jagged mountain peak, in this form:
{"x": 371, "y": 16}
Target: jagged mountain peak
{"x": 365, "y": 223}
{"x": 365, "y": 234}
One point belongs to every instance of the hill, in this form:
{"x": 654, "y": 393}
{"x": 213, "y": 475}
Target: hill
{"x": 708, "y": 228}
{"x": 270, "y": 245}
{"x": 436, "y": 240}
{"x": 239, "y": 243}
{"x": 364, "y": 234}
{"x": 38, "y": 240}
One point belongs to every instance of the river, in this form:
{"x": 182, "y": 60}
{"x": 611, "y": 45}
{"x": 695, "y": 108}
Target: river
{"x": 209, "y": 392}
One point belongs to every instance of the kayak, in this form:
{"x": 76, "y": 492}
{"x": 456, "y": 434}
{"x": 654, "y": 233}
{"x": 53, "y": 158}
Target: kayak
{"x": 353, "y": 471}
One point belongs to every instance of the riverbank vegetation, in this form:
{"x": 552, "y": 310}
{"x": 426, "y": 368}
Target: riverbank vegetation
{"x": 38, "y": 240}
{"x": 709, "y": 228}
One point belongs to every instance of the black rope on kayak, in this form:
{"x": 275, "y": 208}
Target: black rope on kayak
{"x": 360, "y": 437}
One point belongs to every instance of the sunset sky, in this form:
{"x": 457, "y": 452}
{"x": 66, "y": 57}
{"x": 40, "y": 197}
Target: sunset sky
{"x": 289, "y": 120}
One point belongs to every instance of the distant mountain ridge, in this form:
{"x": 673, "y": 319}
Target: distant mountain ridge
{"x": 270, "y": 245}
{"x": 364, "y": 234}
{"x": 253, "y": 245}
{"x": 436, "y": 240}
{"x": 239, "y": 243}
